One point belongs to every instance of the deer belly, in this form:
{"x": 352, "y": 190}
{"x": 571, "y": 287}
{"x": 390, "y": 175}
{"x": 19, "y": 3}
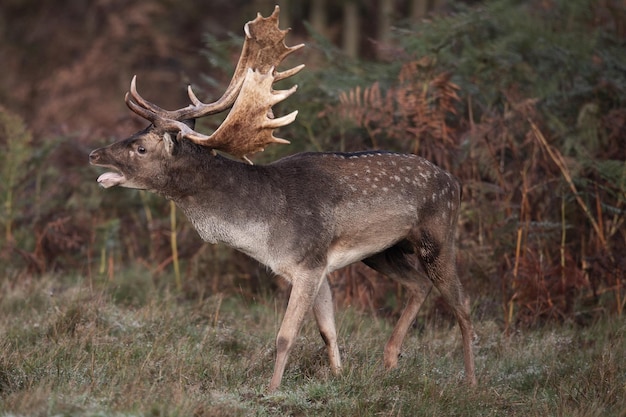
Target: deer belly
{"x": 345, "y": 253}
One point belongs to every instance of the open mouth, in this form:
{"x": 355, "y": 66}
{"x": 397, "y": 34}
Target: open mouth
{"x": 111, "y": 179}
{"x": 108, "y": 179}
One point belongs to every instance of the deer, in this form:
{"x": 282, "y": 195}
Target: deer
{"x": 305, "y": 215}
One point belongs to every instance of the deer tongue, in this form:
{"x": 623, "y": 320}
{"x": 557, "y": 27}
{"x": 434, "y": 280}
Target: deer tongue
{"x": 110, "y": 179}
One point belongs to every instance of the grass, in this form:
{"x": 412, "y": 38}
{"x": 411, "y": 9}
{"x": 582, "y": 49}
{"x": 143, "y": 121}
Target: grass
{"x": 69, "y": 347}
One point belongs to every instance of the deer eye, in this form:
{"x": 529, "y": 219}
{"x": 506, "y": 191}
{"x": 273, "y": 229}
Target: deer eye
{"x": 141, "y": 150}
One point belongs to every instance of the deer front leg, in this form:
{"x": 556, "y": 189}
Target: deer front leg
{"x": 303, "y": 293}
{"x": 325, "y": 317}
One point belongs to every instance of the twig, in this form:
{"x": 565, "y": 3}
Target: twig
{"x": 558, "y": 160}
{"x": 174, "y": 244}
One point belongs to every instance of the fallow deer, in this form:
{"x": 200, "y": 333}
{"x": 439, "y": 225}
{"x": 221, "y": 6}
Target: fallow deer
{"x": 305, "y": 215}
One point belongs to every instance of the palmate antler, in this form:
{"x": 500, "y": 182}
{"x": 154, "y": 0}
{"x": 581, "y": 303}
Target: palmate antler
{"x": 249, "y": 126}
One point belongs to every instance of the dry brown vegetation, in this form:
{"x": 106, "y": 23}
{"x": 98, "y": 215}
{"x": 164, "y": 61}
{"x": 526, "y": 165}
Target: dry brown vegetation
{"x": 544, "y": 220}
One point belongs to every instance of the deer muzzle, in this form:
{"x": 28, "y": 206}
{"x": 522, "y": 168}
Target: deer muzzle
{"x": 108, "y": 179}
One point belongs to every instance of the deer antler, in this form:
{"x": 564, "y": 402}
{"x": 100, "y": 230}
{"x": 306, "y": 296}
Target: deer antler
{"x": 249, "y": 126}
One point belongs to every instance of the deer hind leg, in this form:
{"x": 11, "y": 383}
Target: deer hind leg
{"x": 394, "y": 263}
{"x": 437, "y": 256}
{"x": 325, "y": 317}
{"x": 304, "y": 291}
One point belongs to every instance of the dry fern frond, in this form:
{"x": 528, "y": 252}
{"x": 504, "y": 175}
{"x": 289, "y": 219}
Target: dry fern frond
{"x": 415, "y": 109}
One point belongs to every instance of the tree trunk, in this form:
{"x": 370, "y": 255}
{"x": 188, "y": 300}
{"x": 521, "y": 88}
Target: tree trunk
{"x": 318, "y": 16}
{"x": 351, "y": 29}
{"x": 419, "y": 8}
{"x": 385, "y": 13}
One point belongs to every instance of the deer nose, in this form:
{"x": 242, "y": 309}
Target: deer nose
{"x": 94, "y": 156}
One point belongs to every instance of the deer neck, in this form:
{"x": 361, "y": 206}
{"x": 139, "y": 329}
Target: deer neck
{"x": 227, "y": 201}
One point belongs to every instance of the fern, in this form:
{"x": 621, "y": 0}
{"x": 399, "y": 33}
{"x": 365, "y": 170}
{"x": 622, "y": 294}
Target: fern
{"x": 415, "y": 109}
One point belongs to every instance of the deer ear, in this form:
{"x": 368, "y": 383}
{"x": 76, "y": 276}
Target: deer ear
{"x": 190, "y": 122}
{"x": 169, "y": 143}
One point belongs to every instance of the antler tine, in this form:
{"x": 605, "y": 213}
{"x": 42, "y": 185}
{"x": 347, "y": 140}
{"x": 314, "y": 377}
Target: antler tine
{"x": 192, "y": 97}
{"x": 288, "y": 73}
{"x": 137, "y": 104}
{"x": 152, "y": 108}
{"x": 149, "y": 111}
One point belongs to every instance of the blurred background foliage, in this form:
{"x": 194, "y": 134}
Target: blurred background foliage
{"x": 523, "y": 100}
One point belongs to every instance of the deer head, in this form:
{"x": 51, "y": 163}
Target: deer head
{"x": 247, "y": 129}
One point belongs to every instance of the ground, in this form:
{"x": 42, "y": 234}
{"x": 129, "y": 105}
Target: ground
{"x": 79, "y": 346}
